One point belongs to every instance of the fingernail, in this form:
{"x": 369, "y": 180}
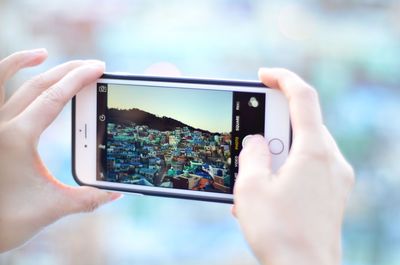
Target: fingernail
{"x": 115, "y": 196}
{"x": 38, "y": 51}
{"x": 95, "y": 62}
{"x": 30, "y": 55}
{"x": 97, "y": 67}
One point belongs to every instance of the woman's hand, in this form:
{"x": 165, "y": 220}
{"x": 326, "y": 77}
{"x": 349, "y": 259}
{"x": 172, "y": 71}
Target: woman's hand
{"x": 294, "y": 216}
{"x": 30, "y": 196}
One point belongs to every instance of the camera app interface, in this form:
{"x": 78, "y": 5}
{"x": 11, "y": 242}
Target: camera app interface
{"x": 181, "y": 138}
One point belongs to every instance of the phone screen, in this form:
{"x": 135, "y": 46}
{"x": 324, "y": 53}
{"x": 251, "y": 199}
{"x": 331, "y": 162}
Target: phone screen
{"x": 173, "y": 137}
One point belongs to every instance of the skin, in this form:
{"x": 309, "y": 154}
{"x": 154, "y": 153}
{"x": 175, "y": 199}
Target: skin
{"x": 31, "y": 198}
{"x": 294, "y": 216}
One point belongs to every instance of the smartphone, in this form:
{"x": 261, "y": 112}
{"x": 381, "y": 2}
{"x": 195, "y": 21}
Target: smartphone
{"x": 172, "y": 137}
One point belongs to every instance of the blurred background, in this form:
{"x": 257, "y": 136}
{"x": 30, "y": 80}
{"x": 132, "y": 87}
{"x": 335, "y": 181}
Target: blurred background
{"x": 348, "y": 49}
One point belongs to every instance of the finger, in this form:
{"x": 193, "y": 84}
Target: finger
{"x": 87, "y": 199}
{"x": 45, "y": 108}
{"x": 305, "y": 112}
{"x": 233, "y": 211}
{"x": 15, "y": 62}
{"x": 254, "y": 159}
{"x": 30, "y": 90}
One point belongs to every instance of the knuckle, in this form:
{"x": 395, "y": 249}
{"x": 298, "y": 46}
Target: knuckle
{"x": 285, "y": 73}
{"x": 249, "y": 183}
{"x": 321, "y": 151}
{"x": 307, "y": 93}
{"x": 251, "y": 176}
{"x": 74, "y": 64}
{"x": 242, "y": 187}
{"x": 38, "y": 82}
{"x": 53, "y": 96}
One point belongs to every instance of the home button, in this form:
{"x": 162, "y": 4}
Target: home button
{"x": 276, "y": 146}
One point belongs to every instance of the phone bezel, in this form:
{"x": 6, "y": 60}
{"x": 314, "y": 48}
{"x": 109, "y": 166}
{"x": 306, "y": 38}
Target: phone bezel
{"x": 274, "y": 100}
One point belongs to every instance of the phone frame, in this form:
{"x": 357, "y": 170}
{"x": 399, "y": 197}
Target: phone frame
{"x": 161, "y": 191}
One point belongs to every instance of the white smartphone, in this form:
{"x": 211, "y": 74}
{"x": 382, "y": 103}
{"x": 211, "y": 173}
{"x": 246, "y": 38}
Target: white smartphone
{"x": 173, "y": 137}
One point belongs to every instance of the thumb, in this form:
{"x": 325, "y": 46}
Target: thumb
{"x": 254, "y": 165}
{"x": 255, "y": 157}
{"x": 87, "y": 199}
{"x": 254, "y": 174}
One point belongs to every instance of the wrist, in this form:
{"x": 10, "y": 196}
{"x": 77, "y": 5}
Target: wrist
{"x": 303, "y": 255}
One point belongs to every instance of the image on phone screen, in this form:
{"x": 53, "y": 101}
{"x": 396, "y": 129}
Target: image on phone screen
{"x": 172, "y": 137}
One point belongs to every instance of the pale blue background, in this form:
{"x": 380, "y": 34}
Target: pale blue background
{"x": 348, "y": 49}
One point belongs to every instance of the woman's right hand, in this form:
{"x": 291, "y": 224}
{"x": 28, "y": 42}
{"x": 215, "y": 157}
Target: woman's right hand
{"x": 294, "y": 216}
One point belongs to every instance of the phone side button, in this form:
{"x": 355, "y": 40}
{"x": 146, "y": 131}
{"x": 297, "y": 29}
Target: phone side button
{"x": 276, "y": 146}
